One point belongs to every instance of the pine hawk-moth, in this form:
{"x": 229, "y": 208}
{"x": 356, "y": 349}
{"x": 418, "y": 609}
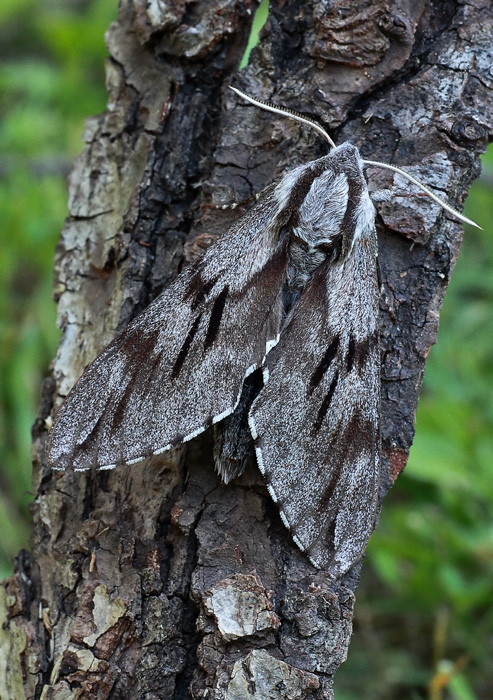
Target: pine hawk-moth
{"x": 276, "y": 325}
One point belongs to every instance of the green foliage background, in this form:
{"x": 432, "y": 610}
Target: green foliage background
{"x": 424, "y": 615}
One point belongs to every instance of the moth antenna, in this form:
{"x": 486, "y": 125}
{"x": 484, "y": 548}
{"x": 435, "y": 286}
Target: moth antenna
{"x": 431, "y": 194}
{"x": 285, "y": 112}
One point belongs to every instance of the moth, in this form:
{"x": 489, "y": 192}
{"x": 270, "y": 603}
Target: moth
{"x": 275, "y": 326}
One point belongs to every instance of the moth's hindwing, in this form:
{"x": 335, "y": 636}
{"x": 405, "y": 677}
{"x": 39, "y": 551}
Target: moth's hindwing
{"x": 316, "y": 422}
{"x": 180, "y": 365}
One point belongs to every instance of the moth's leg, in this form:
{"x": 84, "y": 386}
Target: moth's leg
{"x": 384, "y": 195}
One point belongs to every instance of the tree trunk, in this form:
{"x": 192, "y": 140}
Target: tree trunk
{"x": 156, "y": 580}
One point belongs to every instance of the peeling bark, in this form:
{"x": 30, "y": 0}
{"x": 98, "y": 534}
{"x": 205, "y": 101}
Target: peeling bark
{"x": 156, "y": 581}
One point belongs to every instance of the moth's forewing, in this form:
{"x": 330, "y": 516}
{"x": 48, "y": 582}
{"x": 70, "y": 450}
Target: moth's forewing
{"x": 180, "y": 365}
{"x": 317, "y": 421}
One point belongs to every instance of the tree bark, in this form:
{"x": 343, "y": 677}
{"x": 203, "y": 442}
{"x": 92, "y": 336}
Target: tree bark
{"x": 156, "y": 580}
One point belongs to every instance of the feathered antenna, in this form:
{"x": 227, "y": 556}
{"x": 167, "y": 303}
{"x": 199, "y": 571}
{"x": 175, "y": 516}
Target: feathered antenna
{"x": 283, "y": 111}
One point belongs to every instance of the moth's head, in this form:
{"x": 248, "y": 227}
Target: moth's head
{"x": 346, "y": 158}
{"x": 358, "y": 221}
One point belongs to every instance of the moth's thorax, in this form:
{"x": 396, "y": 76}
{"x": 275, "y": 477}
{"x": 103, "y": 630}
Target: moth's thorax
{"x": 327, "y": 208}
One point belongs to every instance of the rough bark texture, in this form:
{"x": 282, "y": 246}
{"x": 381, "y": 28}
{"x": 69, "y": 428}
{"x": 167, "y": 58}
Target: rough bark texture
{"x": 156, "y": 581}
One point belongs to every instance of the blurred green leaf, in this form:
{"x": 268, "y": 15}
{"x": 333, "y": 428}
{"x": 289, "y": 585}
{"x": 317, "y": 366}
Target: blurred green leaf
{"x": 51, "y": 79}
{"x": 259, "y": 20}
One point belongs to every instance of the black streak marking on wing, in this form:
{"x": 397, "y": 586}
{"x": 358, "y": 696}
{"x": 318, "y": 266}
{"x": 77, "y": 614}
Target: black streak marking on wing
{"x": 302, "y": 186}
{"x": 362, "y": 351}
{"x": 146, "y": 347}
{"x": 87, "y": 444}
{"x": 324, "y": 364}
{"x": 132, "y": 342}
{"x": 358, "y": 352}
{"x": 185, "y": 348}
{"x": 322, "y": 412}
{"x": 119, "y": 410}
{"x": 359, "y": 434}
{"x": 350, "y": 354}
{"x": 198, "y": 289}
{"x": 331, "y": 534}
{"x": 329, "y": 489}
{"x": 215, "y": 318}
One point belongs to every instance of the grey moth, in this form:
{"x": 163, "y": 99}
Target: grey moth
{"x": 275, "y": 326}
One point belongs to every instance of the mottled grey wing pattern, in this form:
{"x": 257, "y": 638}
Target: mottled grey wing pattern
{"x": 175, "y": 370}
{"x": 316, "y": 422}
